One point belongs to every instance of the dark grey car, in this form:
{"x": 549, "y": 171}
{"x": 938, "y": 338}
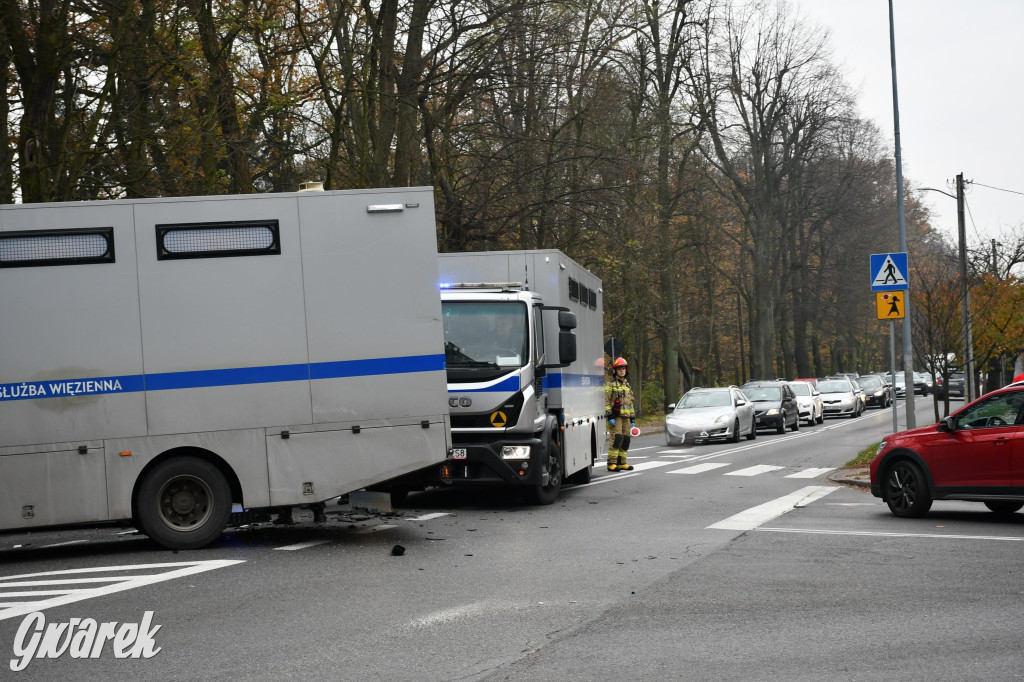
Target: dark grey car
{"x": 954, "y": 387}
{"x": 775, "y": 405}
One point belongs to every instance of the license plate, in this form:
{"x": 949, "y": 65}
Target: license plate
{"x": 458, "y": 453}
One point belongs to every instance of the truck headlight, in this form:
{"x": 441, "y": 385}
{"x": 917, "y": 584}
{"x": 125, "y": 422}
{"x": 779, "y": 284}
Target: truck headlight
{"x": 515, "y": 452}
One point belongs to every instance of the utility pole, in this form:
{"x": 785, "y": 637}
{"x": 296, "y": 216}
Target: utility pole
{"x": 965, "y": 295}
{"x": 908, "y": 350}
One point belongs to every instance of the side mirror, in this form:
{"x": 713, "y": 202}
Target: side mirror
{"x": 566, "y": 346}
{"x": 566, "y": 319}
{"x": 672, "y": 406}
{"x": 740, "y": 402}
{"x": 947, "y": 424}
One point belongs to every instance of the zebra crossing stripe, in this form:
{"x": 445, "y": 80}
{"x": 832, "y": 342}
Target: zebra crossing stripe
{"x": 811, "y": 473}
{"x": 762, "y": 513}
{"x": 701, "y": 468}
{"x": 754, "y": 470}
{"x": 651, "y": 465}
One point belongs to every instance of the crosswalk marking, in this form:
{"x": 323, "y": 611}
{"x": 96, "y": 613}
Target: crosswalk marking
{"x": 120, "y": 578}
{"x": 754, "y": 470}
{"x": 643, "y": 466}
{"x": 701, "y": 468}
{"x": 811, "y": 473}
{"x": 755, "y": 516}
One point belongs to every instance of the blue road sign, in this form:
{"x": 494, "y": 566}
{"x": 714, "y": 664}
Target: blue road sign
{"x": 889, "y": 272}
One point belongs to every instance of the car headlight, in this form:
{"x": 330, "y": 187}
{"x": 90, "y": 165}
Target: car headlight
{"x": 881, "y": 446}
{"x": 721, "y": 418}
{"x": 878, "y": 394}
{"x": 772, "y": 412}
{"x": 515, "y": 452}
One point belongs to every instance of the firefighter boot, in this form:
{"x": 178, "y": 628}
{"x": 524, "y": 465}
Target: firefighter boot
{"x": 622, "y": 463}
{"x": 613, "y": 461}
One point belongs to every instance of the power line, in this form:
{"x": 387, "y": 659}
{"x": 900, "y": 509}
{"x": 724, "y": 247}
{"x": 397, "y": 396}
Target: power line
{"x": 1000, "y": 189}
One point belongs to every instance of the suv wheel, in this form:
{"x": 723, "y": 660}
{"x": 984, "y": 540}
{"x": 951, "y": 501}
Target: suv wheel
{"x": 906, "y": 491}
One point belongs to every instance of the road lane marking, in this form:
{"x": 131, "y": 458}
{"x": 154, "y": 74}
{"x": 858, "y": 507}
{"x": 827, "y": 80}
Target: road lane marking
{"x": 755, "y": 516}
{"x": 881, "y": 534}
{"x": 811, "y": 473}
{"x": 754, "y": 470}
{"x": 124, "y": 582}
{"x": 607, "y": 479}
{"x": 700, "y": 468}
{"x": 428, "y": 517}
{"x": 301, "y": 545}
{"x": 375, "y": 529}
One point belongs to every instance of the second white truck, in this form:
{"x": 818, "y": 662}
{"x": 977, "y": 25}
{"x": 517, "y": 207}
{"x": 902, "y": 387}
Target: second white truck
{"x": 523, "y": 335}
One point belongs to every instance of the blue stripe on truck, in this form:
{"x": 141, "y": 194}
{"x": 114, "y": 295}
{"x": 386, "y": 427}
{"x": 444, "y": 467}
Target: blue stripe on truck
{"x": 236, "y": 376}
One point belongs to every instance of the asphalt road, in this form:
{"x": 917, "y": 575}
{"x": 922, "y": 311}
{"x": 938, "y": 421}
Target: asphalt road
{"x": 717, "y": 561}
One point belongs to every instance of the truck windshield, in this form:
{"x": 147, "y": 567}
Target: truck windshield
{"x": 485, "y": 334}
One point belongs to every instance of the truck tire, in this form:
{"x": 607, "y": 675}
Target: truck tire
{"x": 547, "y": 494}
{"x": 183, "y": 503}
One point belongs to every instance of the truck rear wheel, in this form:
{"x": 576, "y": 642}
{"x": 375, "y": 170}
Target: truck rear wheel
{"x": 547, "y": 494}
{"x": 183, "y": 503}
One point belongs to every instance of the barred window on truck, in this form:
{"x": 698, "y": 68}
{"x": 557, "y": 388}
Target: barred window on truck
{"x": 218, "y": 240}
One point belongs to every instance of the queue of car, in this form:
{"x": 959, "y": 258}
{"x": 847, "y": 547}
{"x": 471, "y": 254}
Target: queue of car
{"x": 731, "y": 412}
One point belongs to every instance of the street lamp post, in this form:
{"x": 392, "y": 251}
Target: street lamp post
{"x": 908, "y": 354}
{"x": 965, "y": 291}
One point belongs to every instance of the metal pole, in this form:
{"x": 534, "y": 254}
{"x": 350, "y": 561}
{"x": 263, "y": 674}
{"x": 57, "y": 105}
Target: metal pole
{"x": 892, "y": 369}
{"x": 965, "y": 294}
{"x": 908, "y": 349}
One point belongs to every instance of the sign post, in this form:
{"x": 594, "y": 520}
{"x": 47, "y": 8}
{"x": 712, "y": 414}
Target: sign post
{"x": 889, "y": 281}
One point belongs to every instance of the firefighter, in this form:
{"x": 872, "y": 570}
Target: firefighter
{"x": 618, "y": 408}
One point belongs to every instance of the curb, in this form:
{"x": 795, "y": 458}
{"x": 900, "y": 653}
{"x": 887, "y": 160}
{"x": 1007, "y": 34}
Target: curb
{"x": 859, "y": 478}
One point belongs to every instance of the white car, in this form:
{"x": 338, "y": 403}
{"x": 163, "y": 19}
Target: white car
{"x": 706, "y": 413}
{"x": 809, "y": 402}
{"x": 840, "y": 398}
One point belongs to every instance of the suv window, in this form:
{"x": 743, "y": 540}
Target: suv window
{"x": 999, "y": 410}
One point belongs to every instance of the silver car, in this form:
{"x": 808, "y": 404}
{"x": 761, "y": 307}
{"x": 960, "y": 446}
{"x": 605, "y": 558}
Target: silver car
{"x": 706, "y": 413}
{"x": 809, "y": 402}
{"x": 840, "y": 398}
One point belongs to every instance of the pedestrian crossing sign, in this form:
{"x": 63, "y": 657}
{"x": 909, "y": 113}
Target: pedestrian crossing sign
{"x": 889, "y": 272}
{"x": 890, "y": 305}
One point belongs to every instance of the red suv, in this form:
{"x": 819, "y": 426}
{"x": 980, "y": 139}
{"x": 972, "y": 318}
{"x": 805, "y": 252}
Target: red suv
{"x": 976, "y": 454}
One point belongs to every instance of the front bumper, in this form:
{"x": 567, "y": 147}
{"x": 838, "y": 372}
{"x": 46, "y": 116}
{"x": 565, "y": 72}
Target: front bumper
{"x": 697, "y": 433}
{"x": 483, "y": 464}
{"x": 839, "y": 409}
{"x": 770, "y": 422}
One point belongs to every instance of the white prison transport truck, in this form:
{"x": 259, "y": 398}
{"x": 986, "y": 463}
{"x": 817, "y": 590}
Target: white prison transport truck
{"x": 523, "y": 335}
{"x": 168, "y": 361}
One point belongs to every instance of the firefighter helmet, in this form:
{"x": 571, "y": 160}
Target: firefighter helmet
{"x": 620, "y": 362}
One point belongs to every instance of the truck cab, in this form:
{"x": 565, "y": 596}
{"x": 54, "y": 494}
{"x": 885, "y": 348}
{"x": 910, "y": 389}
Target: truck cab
{"x": 497, "y": 361}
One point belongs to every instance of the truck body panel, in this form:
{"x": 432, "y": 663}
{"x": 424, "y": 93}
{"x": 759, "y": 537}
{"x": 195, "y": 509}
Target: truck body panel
{"x": 293, "y": 339}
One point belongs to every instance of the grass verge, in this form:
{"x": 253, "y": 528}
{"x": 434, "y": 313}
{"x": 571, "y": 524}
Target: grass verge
{"x": 863, "y": 457}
